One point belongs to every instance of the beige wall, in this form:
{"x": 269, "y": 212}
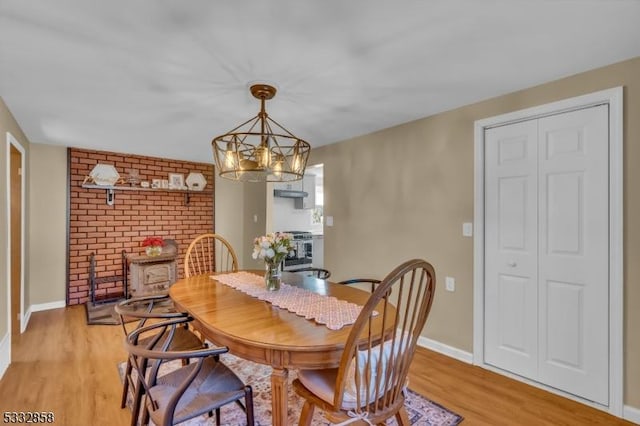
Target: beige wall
{"x": 235, "y": 204}
{"x": 229, "y": 203}
{"x": 404, "y": 192}
{"x": 255, "y": 201}
{"x": 9, "y": 124}
{"x": 48, "y": 223}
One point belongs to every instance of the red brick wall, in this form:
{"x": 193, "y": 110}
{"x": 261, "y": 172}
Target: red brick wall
{"x": 106, "y": 230}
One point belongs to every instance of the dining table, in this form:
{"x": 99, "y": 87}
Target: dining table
{"x": 258, "y": 331}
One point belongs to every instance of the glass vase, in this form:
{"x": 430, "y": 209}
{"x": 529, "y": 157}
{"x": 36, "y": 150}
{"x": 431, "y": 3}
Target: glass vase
{"x": 272, "y": 276}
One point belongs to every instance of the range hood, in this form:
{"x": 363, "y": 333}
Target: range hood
{"x": 289, "y": 193}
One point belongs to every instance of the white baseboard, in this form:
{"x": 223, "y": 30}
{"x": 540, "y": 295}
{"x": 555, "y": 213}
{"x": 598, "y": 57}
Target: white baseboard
{"x": 40, "y": 307}
{"x": 5, "y": 353}
{"x": 450, "y": 351}
{"x": 631, "y": 413}
{"x": 49, "y": 305}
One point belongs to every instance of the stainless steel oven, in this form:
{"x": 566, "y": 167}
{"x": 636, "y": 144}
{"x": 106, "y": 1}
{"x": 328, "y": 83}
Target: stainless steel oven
{"x": 302, "y": 254}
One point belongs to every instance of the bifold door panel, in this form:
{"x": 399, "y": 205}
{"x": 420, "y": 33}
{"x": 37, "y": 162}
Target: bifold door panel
{"x": 546, "y": 250}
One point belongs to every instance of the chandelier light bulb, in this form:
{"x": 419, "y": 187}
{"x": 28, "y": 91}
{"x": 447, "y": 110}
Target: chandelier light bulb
{"x": 264, "y": 157}
{"x": 277, "y": 166}
{"x": 230, "y": 157}
{"x": 296, "y": 163}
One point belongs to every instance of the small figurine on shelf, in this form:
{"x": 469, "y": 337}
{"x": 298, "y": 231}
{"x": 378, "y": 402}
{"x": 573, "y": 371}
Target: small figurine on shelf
{"x": 134, "y": 177}
{"x": 153, "y": 246}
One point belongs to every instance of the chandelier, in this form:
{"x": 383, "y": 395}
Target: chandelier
{"x": 260, "y": 149}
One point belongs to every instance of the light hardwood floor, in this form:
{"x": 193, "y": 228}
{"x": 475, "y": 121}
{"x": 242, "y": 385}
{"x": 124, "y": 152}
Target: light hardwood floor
{"x": 64, "y": 366}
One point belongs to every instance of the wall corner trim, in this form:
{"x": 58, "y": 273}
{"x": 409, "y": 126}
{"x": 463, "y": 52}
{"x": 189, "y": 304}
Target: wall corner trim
{"x": 631, "y": 413}
{"x": 41, "y": 307}
{"x": 5, "y": 353}
{"x": 444, "y": 349}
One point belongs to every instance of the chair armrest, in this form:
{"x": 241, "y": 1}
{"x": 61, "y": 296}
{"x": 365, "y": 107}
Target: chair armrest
{"x": 125, "y": 308}
{"x": 360, "y": 280}
{"x": 134, "y": 349}
{"x": 172, "y": 355}
{"x": 145, "y": 298}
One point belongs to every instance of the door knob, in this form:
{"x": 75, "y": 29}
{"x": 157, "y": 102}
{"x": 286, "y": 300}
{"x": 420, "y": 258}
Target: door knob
{"x": 512, "y": 263}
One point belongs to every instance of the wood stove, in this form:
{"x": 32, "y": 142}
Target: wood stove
{"x": 151, "y": 274}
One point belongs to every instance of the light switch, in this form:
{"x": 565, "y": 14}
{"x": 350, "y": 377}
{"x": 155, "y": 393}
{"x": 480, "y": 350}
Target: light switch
{"x": 255, "y": 218}
{"x": 467, "y": 229}
{"x": 329, "y": 220}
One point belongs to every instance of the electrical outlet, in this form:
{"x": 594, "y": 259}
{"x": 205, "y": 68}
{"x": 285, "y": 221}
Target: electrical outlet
{"x": 467, "y": 229}
{"x": 450, "y": 283}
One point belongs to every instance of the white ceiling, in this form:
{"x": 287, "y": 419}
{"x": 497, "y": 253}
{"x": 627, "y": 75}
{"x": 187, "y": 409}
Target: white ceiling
{"x": 163, "y": 77}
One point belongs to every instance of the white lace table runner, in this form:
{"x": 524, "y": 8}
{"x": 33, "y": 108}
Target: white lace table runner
{"x": 327, "y": 310}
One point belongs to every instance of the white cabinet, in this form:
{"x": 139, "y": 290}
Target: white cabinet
{"x": 296, "y": 185}
{"x": 308, "y": 185}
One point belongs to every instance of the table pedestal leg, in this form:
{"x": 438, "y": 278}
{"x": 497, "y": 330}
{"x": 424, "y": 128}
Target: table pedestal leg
{"x": 279, "y": 386}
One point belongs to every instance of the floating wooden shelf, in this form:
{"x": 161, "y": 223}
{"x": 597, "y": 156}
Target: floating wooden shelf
{"x": 111, "y": 190}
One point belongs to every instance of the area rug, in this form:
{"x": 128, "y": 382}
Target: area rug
{"x": 421, "y": 411}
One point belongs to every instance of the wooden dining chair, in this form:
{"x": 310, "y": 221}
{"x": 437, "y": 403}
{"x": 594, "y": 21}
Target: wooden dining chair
{"x": 141, "y": 310}
{"x": 202, "y": 386}
{"x": 209, "y": 253}
{"x": 320, "y": 273}
{"x": 370, "y": 381}
{"x": 371, "y": 281}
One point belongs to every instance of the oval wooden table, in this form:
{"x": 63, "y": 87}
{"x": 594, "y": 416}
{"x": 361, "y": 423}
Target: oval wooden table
{"x": 258, "y": 331}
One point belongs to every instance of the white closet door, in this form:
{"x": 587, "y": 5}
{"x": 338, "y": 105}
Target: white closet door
{"x": 547, "y": 251}
{"x": 573, "y": 259}
{"x": 511, "y": 282}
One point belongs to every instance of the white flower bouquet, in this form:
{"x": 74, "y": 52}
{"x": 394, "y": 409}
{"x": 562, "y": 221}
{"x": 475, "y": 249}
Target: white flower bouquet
{"x": 273, "y": 247}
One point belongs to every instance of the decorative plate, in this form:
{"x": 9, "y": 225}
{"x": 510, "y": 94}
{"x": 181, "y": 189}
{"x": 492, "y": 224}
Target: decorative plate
{"x": 104, "y": 174}
{"x": 196, "y": 181}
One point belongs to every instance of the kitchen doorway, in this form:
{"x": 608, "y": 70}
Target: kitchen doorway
{"x": 297, "y": 207}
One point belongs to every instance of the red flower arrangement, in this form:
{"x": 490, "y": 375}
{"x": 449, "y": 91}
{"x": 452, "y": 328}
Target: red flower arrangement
{"x": 153, "y": 242}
